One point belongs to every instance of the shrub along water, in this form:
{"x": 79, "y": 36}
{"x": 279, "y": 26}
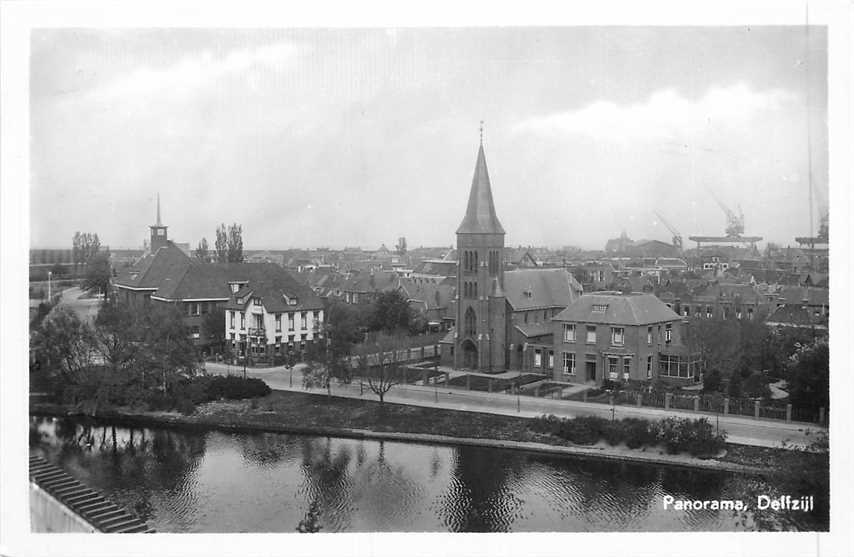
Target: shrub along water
{"x": 696, "y": 437}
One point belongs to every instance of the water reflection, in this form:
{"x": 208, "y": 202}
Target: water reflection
{"x": 266, "y": 482}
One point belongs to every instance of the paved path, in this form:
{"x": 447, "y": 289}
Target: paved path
{"x": 741, "y": 430}
{"x": 85, "y": 308}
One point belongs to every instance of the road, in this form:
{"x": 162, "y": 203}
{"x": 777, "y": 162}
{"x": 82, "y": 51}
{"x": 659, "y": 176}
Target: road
{"x": 85, "y": 308}
{"x": 740, "y": 430}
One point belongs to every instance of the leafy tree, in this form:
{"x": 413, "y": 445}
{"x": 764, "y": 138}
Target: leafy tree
{"x": 58, "y": 270}
{"x": 391, "y": 312}
{"x": 734, "y": 388}
{"x": 213, "y": 327}
{"x": 115, "y": 337}
{"x": 235, "y": 243}
{"x": 712, "y": 381}
{"x": 809, "y": 375}
{"x": 221, "y": 244}
{"x": 202, "y": 252}
{"x": 98, "y": 272}
{"x": 165, "y": 347}
{"x": 83, "y": 247}
{"x": 63, "y": 346}
{"x": 756, "y": 386}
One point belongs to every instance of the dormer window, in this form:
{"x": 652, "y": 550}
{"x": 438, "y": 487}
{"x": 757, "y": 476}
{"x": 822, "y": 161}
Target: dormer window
{"x": 256, "y": 301}
{"x": 600, "y": 308}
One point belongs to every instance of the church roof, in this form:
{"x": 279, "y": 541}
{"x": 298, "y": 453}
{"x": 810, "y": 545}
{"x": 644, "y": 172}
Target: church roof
{"x": 480, "y": 214}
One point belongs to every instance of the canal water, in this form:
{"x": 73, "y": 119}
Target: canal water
{"x": 179, "y": 481}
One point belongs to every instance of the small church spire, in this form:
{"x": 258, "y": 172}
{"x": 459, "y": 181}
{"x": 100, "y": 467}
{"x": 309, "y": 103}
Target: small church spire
{"x": 481, "y": 133}
{"x": 158, "y": 209}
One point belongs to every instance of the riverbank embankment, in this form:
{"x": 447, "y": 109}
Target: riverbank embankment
{"x": 317, "y": 414}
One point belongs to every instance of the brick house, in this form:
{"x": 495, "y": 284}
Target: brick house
{"x": 621, "y": 337}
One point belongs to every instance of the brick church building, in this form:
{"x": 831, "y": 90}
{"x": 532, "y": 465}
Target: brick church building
{"x": 499, "y": 314}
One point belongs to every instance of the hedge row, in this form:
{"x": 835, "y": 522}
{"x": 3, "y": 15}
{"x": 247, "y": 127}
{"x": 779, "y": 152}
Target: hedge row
{"x": 205, "y": 388}
{"x": 696, "y": 437}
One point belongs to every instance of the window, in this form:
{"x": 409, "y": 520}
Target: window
{"x": 316, "y": 319}
{"x": 668, "y": 333}
{"x": 231, "y": 319}
{"x": 569, "y": 363}
{"x": 197, "y": 308}
{"x": 738, "y": 313}
{"x": 618, "y": 336}
{"x": 278, "y": 323}
{"x": 256, "y": 301}
{"x": 750, "y": 313}
{"x": 551, "y": 361}
{"x": 708, "y": 312}
{"x": 649, "y": 335}
{"x": 302, "y": 321}
{"x": 545, "y": 315}
{"x": 649, "y": 367}
{"x": 591, "y": 334}
{"x": 195, "y": 331}
{"x": 613, "y": 367}
{"x": 538, "y": 358}
{"x": 670, "y": 366}
{"x": 278, "y": 342}
{"x": 290, "y": 321}
{"x": 569, "y": 332}
{"x": 242, "y": 319}
{"x": 627, "y": 367}
{"x": 600, "y": 308}
{"x": 259, "y": 321}
{"x": 686, "y": 311}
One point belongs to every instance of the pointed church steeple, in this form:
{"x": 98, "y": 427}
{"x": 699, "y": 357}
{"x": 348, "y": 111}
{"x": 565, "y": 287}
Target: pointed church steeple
{"x": 480, "y": 214}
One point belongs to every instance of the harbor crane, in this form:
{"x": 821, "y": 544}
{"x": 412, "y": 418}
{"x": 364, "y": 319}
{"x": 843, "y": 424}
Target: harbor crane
{"x": 677, "y": 236}
{"x": 735, "y": 223}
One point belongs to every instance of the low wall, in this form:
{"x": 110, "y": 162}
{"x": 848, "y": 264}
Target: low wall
{"x": 49, "y": 515}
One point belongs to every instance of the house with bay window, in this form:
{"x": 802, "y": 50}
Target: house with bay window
{"x": 265, "y": 318}
{"x": 621, "y": 337}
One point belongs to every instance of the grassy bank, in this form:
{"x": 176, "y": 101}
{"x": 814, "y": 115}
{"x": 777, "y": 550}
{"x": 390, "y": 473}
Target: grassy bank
{"x": 317, "y": 413}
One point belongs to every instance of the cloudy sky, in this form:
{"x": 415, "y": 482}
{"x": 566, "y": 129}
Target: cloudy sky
{"x": 355, "y": 137}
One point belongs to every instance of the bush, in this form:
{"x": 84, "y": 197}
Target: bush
{"x": 609, "y": 385}
{"x": 639, "y": 433}
{"x": 756, "y": 386}
{"x": 235, "y": 388}
{"x": 696, "y": 437}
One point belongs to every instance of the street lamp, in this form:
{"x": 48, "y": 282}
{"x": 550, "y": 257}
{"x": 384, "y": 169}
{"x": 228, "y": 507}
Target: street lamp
{"x": 49, "y": 274}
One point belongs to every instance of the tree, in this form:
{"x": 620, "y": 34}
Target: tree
{"x": 83, "y": 247}
{"x": 213, "y": 327}
{"x": 389, "y": 361}
{"x": 221, "y": 244}
{"x": 391, "y": 312}
{"x": 115, "y": 337}
{"x": 63, "y": 346}
{"x": 165, "y": 346}
{"x": 235, "y": 243}
{"x": 734, "y": 387}
{"x": 809, "y": 375}
{"x": 712, "y": 381}
{"x": 98, "y": 272}
{"x": 202, "y": 252}
{"x": 756, "y": 386}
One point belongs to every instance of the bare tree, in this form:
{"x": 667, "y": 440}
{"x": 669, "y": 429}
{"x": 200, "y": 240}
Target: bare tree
{"x": 387, "y": 355}
{"x": 221, "y": 244}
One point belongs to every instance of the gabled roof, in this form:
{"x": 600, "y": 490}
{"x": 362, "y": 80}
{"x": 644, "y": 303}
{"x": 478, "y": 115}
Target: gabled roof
{"x": 797, "y": 295}
{"x": 168, "y": 263}
{"x": 540, "y": 288}
{"x": 480, "y": 214}
{"x": 796, "y": 316}
{"x": 618, "y": 309}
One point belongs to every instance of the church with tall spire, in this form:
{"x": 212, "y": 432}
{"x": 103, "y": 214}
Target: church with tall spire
{"x": 480, "y": 332}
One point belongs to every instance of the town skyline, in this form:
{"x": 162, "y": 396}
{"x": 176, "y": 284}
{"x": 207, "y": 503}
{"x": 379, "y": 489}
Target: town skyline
{"x": 305, "y": 137}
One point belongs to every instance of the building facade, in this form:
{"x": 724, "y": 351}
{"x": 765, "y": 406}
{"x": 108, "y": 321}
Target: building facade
{"x": 621, "y": 337}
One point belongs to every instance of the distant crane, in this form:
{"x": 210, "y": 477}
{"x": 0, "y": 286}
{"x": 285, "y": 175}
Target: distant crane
{"x": 735, "y": 223}
{"x": 677, "y": 236}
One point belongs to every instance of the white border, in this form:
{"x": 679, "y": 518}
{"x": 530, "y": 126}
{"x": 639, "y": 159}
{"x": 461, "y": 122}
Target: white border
{"x": 17, "y": 18}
